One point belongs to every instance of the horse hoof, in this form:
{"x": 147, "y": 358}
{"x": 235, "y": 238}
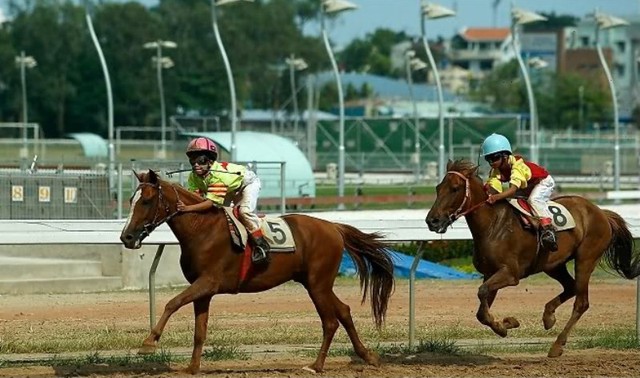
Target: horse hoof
{"x": 549, "y": 321}
{"x": 147, "y": 349}
{"x": 310, "y": 369}
{"x": 373, "y": 359}
{"x": 193, "y": 370}
{"x": 499, "y": 329}
{"x": 510, "y": 322}
{"x": 555, "y": 351}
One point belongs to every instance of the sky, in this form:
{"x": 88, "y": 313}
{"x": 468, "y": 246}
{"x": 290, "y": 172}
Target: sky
{"x": 403, "y": 15}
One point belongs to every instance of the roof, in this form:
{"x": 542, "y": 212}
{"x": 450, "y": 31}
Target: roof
{"x": 92, "y": 144}
{"x": 485, "y": 34}
{"x": 261, "y": 148}
{"x": 386, "y": 88}
{"x": 258, "y": 115}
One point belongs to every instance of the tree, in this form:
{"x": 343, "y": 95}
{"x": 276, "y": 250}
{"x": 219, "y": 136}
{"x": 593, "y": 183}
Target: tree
{"x": 373, "y": 53}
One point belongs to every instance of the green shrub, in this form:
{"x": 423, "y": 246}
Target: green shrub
{"x": 438, "y": 250}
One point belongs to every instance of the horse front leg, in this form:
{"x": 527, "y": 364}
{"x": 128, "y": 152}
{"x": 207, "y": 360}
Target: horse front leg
{"x": 487, "y": 294}
{"x": 201, "y": 313}
{"x": 198, "y": 289}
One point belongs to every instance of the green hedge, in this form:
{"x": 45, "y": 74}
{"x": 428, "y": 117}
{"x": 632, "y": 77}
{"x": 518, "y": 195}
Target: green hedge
{"x": 439, "y": 250}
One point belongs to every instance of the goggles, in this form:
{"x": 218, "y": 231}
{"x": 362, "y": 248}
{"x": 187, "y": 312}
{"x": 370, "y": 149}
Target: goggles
{"x": 200, "y": 160}
{"x": 493, "y": 158}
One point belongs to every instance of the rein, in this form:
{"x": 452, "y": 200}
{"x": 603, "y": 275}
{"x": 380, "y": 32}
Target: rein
{"x": 149, "y": 227}
{"x": 467, "y": 197}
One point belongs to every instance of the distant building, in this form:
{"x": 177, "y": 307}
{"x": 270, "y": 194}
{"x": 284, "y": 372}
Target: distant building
{"x": 479, "y": 50}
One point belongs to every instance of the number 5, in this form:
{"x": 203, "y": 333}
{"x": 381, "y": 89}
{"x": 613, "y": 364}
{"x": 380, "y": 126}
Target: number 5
{"x": 278, "y": 233}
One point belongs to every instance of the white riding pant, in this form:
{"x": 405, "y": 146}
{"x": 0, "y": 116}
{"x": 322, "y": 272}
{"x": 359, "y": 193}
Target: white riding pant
{"x": 247, "y": 201}
{"x": 540, "y": 196}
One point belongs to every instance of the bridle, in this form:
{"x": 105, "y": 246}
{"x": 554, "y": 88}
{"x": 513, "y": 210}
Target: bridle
{"x": 150, "y": 226}
{"x": 460, "y": 212}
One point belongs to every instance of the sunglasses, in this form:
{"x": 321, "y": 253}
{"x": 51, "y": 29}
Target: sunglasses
{"x": 200, "y": 160}
{"x": 493, "y": 158}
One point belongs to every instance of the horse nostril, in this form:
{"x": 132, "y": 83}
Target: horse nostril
{"x": 127, "y": 238}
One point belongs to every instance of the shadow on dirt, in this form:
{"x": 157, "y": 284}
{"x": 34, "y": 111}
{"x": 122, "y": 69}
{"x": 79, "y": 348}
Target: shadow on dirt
{"x": 427, "y": 358}
{"x": 144, "y": 368}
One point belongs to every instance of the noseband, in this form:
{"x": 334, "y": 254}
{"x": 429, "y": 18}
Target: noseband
{"x": 460, "y": 212}
{"x": 150, "y": 226}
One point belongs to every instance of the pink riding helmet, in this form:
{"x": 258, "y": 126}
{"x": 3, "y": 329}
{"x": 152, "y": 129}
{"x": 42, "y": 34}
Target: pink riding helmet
{"x": 202, "y": 145}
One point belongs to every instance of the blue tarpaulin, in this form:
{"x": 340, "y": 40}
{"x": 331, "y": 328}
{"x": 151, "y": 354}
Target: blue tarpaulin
{"x": 402, "y": 268}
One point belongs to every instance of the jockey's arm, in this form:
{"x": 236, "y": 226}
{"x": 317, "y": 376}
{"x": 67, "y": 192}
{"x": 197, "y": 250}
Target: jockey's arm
{"x": 506, "y": 194}
{"x": 201, "y": 206}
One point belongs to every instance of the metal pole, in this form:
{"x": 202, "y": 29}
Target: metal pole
{"x": 294, "y": 98}
{"x": 283, "y": 192}
{"x": 120, "y": 196}
{"x": 152, "y": 286}
{"x": 616, "y": 125}
{"x": 232, "y": 87}
{"x": 436, "y": 75}
{"x": 533, "y": 122}
{"x": 580, "y": 106}
{"x": 163, "y": 125}
{"x": 25, "y": 120}
{"x": 412, "y": 295}
{"x": 415, "y": 117}
{"x": 107, "y": 80}
{"x": 334, "y": 65}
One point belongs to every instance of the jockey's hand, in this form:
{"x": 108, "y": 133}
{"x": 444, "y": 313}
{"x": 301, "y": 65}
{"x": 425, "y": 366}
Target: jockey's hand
{"x": 180, "y": 206}
{"x": 492, "y": 199}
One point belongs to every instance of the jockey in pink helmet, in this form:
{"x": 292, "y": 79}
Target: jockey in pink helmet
{"x": 220, "y": 183}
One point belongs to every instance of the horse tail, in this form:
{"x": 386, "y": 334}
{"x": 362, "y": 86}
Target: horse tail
{"x": 620, "y": 254}
{"x": 374, "y": 265}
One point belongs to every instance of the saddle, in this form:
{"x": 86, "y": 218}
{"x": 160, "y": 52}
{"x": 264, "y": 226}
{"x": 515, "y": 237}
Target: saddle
{"x": 276, "y": 232}
{"x": 560, "y": 217}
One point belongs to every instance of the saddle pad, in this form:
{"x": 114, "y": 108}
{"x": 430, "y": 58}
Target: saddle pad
{"x": 275, "y": 229}
{"x": 560, "y": 216}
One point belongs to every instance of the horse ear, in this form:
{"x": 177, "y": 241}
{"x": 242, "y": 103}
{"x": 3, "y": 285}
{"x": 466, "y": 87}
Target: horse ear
{"x": 138, "y": 175}
{"x": 153, "y": 177}
{"x": 449, "y": 164}
{"x": 474, "y": 171}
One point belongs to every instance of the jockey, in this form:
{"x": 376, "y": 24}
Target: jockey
{"x": 217, "y": 181}
{"x": 529, "y": 177}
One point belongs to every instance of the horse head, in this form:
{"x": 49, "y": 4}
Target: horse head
{"x": 150, "y": 207}
{"x": 453, "y": 195}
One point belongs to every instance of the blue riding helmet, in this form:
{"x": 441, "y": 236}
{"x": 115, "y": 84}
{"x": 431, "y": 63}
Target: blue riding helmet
{"x": 495, "y": 143}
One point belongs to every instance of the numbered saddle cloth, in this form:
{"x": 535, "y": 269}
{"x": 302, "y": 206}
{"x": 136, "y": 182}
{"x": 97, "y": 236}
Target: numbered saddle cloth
{"x": 560, "y": 216}
{"x": 275, "y": 229}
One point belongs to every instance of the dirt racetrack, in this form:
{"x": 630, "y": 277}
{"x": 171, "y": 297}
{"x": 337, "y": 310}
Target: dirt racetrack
{"x": 443, "y": 308}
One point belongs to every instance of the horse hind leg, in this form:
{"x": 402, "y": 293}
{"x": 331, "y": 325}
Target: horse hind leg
{"x": 323, "y": 301}
{"x": 584, "y": 268}
{"x": 344, "y": 316}
{"x": 560, "y": 274}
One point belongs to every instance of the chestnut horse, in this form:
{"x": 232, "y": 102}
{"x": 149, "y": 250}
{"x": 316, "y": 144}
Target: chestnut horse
{"x": 212, "y": 267}
{"x": 504, "y": 252}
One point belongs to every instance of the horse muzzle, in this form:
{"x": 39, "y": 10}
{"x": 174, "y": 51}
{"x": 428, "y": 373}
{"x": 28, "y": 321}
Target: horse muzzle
{"x": 131, "y": 241}
{"x": 438, "y": 225}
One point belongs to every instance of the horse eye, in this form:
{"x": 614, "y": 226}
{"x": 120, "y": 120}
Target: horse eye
{"x": 146, "y": 202}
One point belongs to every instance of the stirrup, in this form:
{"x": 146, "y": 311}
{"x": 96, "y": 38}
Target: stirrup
{"x": 258, "y": 255}
{"x": 549, "y": 240}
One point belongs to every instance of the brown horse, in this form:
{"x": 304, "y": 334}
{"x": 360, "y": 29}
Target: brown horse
{"x": 210, "y": 264}
{"x": 504, "y": 252}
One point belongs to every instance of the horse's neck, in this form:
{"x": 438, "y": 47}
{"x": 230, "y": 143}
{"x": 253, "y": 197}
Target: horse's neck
{"x": 483, "y": 218}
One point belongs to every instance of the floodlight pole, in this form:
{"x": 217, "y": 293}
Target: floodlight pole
{"x": 416, "y": 121}
{"x": 616, "y": 123}
{"x": 232, "y": 87}
{"x": 341, "y": 149}
{"x": 107, "y": 80}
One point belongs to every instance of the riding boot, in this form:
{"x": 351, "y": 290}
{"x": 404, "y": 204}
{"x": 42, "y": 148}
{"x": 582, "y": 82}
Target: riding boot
{"x": 548, "y": 236}
{"x": 260, "y": 253}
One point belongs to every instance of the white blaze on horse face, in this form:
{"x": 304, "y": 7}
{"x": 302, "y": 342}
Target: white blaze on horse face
{"x": 136, "y": 196}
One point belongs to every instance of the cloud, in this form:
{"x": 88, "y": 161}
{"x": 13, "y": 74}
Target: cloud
{"x": 3, "y": 18}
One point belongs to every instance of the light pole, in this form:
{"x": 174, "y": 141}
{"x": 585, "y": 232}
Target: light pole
{"x": 434, "y": 11}
{"x": 329, "y": 7}
{"x": 521, "y": 17}
{"x": 414, "y": 64}
{"x": 580, "y": 106}
{"x": 604, "y": 22}
{"x": 295, "y": 64}
{"x": 23, "y": 61}
{"x": 107, "y": 80}
{"x": 227, "y": 67}
{"x": 161, "y": 63}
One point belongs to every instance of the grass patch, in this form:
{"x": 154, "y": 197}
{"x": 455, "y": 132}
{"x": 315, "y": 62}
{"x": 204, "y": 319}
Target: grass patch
{"x": 616, "y": 339}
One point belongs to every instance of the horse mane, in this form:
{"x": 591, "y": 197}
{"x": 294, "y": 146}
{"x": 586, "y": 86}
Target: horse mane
{"x": 463, "y": 166}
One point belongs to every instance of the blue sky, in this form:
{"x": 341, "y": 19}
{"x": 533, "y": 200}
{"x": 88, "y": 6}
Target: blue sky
{"x": 404, "y": 15}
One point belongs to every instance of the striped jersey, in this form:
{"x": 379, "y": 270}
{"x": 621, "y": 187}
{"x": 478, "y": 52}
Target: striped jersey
{"x": 218, "y": 183}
